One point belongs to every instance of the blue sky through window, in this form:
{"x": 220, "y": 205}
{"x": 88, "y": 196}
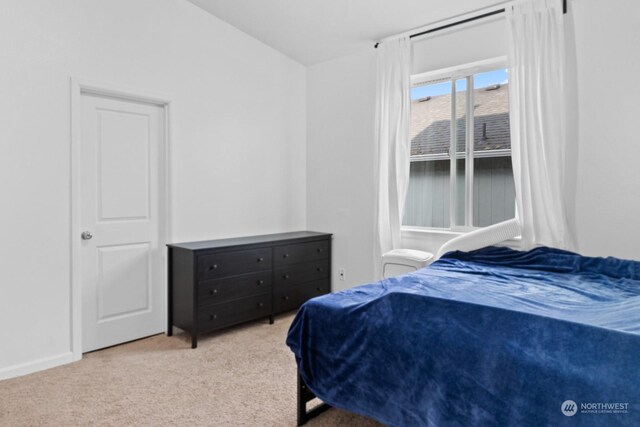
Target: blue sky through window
{"x": 480, "y": 80}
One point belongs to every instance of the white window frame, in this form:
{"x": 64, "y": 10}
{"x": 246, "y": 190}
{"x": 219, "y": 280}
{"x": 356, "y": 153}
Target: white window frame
{"x": 452, "y": 74}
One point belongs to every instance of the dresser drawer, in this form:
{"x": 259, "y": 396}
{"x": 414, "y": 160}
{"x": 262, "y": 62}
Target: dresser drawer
{"x": 233, "y": 263}
{"x": 221, "y": 290}
{"x": 290, "y": 298}
{"x": 300, "y": 273}
{"x": 302, "y": 252}
{"x": 220, "y": 315}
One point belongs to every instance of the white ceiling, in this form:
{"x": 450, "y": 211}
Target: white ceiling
{"x": 313, "y": 31}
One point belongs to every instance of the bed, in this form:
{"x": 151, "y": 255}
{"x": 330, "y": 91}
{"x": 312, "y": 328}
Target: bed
{"x": 489, "y": 337}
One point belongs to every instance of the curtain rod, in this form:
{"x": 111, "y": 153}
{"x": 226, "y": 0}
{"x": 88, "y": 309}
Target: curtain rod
{"x": 464, "y": 21}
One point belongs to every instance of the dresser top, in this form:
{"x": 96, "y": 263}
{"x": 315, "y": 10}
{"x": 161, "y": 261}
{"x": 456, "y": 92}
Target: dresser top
{"x": 249, "y": 240}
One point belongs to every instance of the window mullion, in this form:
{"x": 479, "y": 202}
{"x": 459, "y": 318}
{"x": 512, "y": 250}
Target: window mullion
{"x": 452, "y": 158}
{"x": 469, "y": 152}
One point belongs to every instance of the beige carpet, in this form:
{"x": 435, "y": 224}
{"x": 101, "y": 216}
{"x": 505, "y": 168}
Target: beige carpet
{"x": 243, "y": 376}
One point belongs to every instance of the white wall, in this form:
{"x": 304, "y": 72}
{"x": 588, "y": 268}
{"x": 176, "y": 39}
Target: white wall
{"x": 607, "y": 201}
{"x": 604, "y": 178}
{"x": 238, "y": 141}
{"x": 340, "y": 161}
{"x": 477, "y": 41}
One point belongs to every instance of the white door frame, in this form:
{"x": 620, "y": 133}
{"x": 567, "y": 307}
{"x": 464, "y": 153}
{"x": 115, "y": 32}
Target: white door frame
{"x": 78, "y": 88}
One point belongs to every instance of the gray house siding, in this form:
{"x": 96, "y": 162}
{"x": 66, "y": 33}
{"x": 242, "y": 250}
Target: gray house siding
{"x": 494, "y": 191}
{"x": 427, "y": 203}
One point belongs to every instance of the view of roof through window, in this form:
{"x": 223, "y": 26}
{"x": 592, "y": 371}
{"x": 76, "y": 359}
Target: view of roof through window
{"x": 431, "y": 115}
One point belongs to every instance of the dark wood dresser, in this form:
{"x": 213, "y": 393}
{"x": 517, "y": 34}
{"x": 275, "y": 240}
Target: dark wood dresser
{"x": 218, "y": 283}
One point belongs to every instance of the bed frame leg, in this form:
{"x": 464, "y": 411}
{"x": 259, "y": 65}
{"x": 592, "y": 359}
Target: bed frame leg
{"x": 304, "y": 396}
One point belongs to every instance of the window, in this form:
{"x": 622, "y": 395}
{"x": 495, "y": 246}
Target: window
{"x": 461, "y": 176}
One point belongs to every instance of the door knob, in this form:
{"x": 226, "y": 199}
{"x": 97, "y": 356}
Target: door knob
{"x": 86, "y": 235}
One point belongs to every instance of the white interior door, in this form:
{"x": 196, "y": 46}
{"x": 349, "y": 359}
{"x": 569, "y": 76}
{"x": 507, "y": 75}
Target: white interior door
{"x": 121, "y": 261}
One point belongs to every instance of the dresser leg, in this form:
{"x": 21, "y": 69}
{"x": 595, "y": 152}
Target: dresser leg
{"x": 271, "y": 319}
{"x": 170, "y": 294}
{"x": 194, "y": 341}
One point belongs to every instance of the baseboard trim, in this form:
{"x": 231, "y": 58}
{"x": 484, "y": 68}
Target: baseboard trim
{"x": 35, "y": 366}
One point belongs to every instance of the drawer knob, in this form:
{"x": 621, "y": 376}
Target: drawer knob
{"x": 212, "y": 267}
{"x": 285, "y": 255}
{"x": 319, "y": 250}
{"x": 213, "y": 291}
{"x": 260, "y": 282}
{"x": 286, "y": 298}
{"x": 260, "y": 304}
{"x": 319, "y": 269}
{"x": 260, "y": 259}
{"x": 318, "y": 288}
{"x": 285, "y": 277}
{"x": 213, "y": 317}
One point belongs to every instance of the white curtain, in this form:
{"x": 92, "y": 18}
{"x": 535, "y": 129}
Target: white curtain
{"x": 392, "y": 137}
{"x": 536, "y": 98}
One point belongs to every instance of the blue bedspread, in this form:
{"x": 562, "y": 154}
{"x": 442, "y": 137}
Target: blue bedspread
{"x": 494, "y": 337}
